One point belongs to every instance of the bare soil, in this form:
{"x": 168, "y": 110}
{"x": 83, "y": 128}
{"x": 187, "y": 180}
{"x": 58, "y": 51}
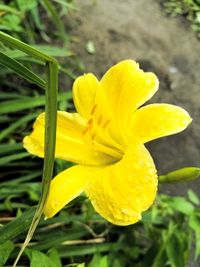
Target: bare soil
{"x": 140, "y": 30}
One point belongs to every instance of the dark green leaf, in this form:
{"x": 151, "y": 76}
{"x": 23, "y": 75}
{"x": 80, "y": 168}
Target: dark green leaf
{"x": 5, "y": 250}
{"x": 194, "y": 223}
{"x": 55, "y": 258}
{"x": 17, "y": 226}
{"x": 20, "y": 69}
{"x": 39, "y": 259}
{"x": 175, "y": 250}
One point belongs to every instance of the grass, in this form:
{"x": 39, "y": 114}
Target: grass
{"x": 190, "y": 9}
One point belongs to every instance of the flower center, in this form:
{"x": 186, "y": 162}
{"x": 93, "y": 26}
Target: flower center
{"x": 98, "y": 133}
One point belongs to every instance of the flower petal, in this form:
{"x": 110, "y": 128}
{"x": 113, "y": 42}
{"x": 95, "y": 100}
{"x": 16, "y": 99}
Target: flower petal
{"x": 84, "y": 93}
{"x": 120, "y": 192}
{"x": 158, "y": 120}
{"x": 70, "y": 142}
{"x": 66, "y": 186}
{"x": 126, "y": 87}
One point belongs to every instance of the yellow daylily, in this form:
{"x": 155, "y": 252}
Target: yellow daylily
{"x": 106, "y": 139}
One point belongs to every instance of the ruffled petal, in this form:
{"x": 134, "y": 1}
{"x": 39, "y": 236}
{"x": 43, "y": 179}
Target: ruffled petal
{"x": 122, "y": 191}
{"x": 64, "y": 188}
{"x": 158, "y": 120}
{"x": 70, "y": 140}
{"x": 126, "y": 87}
{"x": 84, "y": 94}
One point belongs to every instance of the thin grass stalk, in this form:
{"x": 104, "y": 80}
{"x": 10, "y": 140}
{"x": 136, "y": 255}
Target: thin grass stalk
{"x": 50, "y": 134}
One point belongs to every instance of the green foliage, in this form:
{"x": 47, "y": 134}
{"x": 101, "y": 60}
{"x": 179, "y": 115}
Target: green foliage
{"x": 5, "y": 250}
{"x": 79, "y": 235}
{"x": 20, "y": 16}
{"x": 187, "y": 8}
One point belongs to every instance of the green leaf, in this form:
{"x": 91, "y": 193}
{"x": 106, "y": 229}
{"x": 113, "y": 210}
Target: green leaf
{"x": 4, "y": 160}
{"x": 25, "y": 5}
{"x": 160, "y": 258}
{"x": 10, "y": 148}
{"x": 99, "y": 261}
{"x": 193, "y": 197}
{"x": 39, "y": 259}
{"x": 54, "y": 51}
{"x": 15, "y": 125}
{"x": 27, "y": 103}
{"x": 181, "y": 204}
{"x": 11, "y": 22}
{"x": 5, "y": 250}
{"x": 7, "y": 8}
{"x": 21, "y": 70}
{"x": 117, "y": 263}
{"x": 175, "y": 250}
{"x": 194, "y": 223}
{"x": 17, "y": 226}
{"x": 55, "y": 258}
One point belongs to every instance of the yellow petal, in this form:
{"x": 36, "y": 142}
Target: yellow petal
{"x": 125, "y": 88}
{"x": 120, "y": 192}
{"x": 158, "y": 120}
{"x": 64, "y": 188}
{"x": 70, "y": 142}
{"x": 84, "y": 93}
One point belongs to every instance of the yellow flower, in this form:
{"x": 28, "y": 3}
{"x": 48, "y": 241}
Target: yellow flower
{"x": 106, "y": 139}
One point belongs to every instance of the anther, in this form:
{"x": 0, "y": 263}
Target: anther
{"x": 90, "y": 123}
{"x": 105, "y": 124}
{"x": 93, "y": 109}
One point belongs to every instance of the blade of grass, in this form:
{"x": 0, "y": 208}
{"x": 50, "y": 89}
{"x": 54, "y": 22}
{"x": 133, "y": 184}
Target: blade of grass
{"x": 27, "y": 103}
{"x": 16, "y": 227}
{"x": 4, "y": 160}
{"x": 21, "y": 70}
{"x": 17, "y": 44}
{"x": 22, "y": 179}
{"x": 7, "y": 8}
{"x": 49, "y": 153}
{"x": 17, "y": 124}
{"x": 5, "y": 148}
{"x": 88, "y": 249}
{"x": 9, "y": 95}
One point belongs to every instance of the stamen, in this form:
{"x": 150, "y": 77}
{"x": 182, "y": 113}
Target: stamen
{"x": 85, "y": 130}
{"x": 90, "y": 123}
{"x": 93, "y": 109}
{"x": 105, "y": 124}
{"x": 107, "y": 150}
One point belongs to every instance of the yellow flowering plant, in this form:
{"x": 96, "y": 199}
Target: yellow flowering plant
{"x": 105, "y": 138}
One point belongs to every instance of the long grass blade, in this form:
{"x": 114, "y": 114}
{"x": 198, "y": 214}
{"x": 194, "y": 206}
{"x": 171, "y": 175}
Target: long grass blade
{"x": 17, "y": 124}
{"x": 27, "y": 103}
{"x": 20, "y": 69}
{"x": 50, "y": 136}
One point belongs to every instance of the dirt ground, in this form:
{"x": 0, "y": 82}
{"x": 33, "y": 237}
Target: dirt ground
{"x": 141, "y": 30}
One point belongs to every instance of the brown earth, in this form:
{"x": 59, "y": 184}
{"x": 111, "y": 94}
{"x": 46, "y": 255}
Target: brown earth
{"x": 141, "y": 30}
